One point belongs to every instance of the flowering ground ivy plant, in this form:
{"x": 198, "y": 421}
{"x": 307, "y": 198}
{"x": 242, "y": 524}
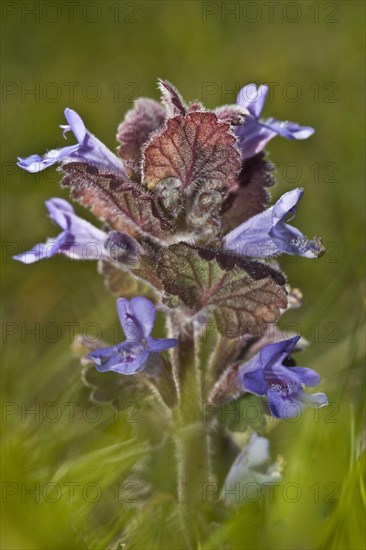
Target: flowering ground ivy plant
{"x": 185, "y": 212}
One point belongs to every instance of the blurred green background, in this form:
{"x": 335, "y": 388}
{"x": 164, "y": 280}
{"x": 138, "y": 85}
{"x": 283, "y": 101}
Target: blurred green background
{"x": 97, "y": 57}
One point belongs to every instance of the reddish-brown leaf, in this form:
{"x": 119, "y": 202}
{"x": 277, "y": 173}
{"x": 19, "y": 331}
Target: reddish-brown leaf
{"x": 171, "y": 99}
{"x": 193, "y": 148}
{"x": 119, "y": 203}
{"x": 146, "y": 117}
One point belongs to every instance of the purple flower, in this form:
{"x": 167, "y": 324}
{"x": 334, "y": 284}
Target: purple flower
{"x": 137, "y": 318}
{"x": 255, "y": 134}
{"x": 79, "y": 239}
{"x": 88, "y": 149}
{"x": 265, "y": 374}
{"x": 251, "y": 466}
{"x": 267, "y": 234}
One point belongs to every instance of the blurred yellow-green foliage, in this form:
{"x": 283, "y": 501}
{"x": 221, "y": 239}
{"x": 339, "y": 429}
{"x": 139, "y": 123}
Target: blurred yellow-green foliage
{"x": 96, "y": 57}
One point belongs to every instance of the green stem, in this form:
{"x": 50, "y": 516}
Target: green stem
{"x": 220, "y": 358}
{"x": 191, "y": 433}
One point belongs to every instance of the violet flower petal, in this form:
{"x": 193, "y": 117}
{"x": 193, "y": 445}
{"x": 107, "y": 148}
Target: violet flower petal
{"x": 266, "y": 234}
{"x": 252, "y": 137}
{"x": 278, "y": 351}
{"x": 43, "y": 251}
{"x": 130, "y": 324}
{"x": 265, "y": 374}
{"x": 88, "y": 150}
{"x": 252, "y": 98}
{"x": 306, "y": 376}
{"x": 145, "y": 312}
{"x": 254, "y": 134}
{"x": 254, "y": 382}
{"x": 137, "y": 318}
{"x": 103, "y": 358}
{"x": 284, "y": 406}
{"x": 58, "y": 210}
{"x": 287, "y": 129}
{"x": 161, "y": 344}
{"x": 79, "y": 240}
{"x": 126, "y": 358}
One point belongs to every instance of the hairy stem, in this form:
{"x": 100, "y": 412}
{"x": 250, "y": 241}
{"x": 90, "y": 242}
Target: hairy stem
{"x": 220, "y": 358}
{"x": 191, "y": 433}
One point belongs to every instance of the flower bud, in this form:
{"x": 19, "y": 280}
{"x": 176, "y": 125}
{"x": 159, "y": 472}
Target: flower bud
{"x": 122, "y": 248}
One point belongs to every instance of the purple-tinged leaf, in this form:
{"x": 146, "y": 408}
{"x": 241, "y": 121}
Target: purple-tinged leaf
{"x": 146, "y": 117}
{"x": 243, "y": 299}
{"x": 250, "y": 196}
{"x": 171, "y": 99}
{"x": 194, "y": 149}
{"x": 227, "y": 261}
{"x": 120, "y": 203}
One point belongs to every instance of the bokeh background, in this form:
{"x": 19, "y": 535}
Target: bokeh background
{"x": 97, "y": 57}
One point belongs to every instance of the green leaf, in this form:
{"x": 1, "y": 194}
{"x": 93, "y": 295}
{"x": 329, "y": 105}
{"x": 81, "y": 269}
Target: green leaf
{"x": 244, "y": 296}
{"x": 117, "y": 457}
{"x": 146, "y": 271}
{"x": 155, "y": 525}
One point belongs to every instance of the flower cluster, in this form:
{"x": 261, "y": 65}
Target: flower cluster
{"x": 137, "y": 318}
{"x": 185, "y": 209}
{"x": 266, "y": 374}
